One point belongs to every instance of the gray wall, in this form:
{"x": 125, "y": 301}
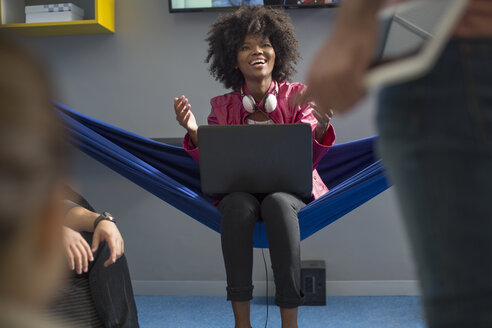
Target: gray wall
{"x": 129, "y": 79}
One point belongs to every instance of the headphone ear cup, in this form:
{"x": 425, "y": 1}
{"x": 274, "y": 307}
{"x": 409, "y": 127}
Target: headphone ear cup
{"x": 249, "y": 103}
{"x": 270, "y": 103}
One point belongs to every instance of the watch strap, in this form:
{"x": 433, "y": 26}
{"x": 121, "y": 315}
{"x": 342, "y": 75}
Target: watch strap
{"x": 104, "y": 216}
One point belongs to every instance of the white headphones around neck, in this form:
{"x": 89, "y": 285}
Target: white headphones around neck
{"x": 269, "y": 104}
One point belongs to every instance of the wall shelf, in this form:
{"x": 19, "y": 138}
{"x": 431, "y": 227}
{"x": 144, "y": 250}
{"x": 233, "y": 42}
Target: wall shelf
{"x": 99, "y": 18}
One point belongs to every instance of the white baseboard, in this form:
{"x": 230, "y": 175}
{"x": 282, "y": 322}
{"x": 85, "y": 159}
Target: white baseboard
{"x": 333, "y": 288}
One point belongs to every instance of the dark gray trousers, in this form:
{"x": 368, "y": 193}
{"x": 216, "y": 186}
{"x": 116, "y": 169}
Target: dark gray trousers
{"x": 240, "y": 212}
{"x": 436, "y": 143}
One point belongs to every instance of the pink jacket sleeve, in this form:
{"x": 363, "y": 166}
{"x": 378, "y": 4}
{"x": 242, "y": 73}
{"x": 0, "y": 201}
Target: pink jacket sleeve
{"x": 188, "y": 145}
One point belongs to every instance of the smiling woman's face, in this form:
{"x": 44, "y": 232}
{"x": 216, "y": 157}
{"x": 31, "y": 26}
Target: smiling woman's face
{"x": 256, "y": 58}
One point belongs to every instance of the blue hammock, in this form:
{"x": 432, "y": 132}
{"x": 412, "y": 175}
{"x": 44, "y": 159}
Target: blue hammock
{"x": 350, "y": 170}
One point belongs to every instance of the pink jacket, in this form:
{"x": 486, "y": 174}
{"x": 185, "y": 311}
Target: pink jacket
{"x": 228, "y": 110}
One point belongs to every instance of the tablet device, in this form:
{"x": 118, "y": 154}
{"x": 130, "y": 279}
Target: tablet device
{"x": 412, "y": 36}
{"x": 258, "y": 159}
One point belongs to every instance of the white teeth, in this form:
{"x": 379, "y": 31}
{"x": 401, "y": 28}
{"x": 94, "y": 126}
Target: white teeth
{"x": 258, "y": 62}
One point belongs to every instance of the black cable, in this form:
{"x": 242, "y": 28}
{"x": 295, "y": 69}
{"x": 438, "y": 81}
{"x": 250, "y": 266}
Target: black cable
{"x": 266, "y": 274}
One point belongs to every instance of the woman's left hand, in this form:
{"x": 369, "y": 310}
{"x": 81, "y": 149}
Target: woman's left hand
{"x": 324, "y": 119}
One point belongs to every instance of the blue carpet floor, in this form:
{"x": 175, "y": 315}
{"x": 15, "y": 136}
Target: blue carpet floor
{"x": 339, "y": 312}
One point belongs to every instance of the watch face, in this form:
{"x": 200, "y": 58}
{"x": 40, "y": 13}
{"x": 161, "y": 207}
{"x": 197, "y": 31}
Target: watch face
{"x": 108, "y": 216}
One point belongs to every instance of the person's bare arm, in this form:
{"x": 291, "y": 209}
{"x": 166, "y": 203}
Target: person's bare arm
{"x": 80, "y": 219}
{"x": 335, "y": 77}
{"x": 356, "y": 9}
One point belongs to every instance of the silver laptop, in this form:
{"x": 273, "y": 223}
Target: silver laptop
{"x": 412, "y": 36}
{"x": 256, "y": 159}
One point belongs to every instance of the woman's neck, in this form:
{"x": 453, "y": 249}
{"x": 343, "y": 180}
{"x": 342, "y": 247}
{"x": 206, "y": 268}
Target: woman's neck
{"x": 258, "y": 89}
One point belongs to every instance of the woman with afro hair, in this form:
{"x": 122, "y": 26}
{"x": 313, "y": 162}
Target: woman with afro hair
{"x": 253, "y": 52}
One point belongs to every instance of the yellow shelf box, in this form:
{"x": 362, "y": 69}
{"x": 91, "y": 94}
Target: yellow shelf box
{"x": 98, "y": 18}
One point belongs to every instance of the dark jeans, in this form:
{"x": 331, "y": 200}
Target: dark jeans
{"x": 240, "y": 212}
{"x": 436, "y": 141}
{"x": 111, "y": 289}
{"x": 101, "y": 296}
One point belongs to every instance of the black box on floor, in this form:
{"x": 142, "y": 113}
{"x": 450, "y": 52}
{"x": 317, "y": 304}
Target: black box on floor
{"x": 313, "y": 282}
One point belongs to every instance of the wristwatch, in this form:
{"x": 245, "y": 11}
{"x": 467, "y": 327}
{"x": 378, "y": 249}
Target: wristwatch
{"x": 104, "y": 216}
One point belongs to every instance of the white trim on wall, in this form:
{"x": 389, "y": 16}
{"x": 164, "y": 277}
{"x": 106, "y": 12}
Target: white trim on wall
{"x": 333, "y": 288}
